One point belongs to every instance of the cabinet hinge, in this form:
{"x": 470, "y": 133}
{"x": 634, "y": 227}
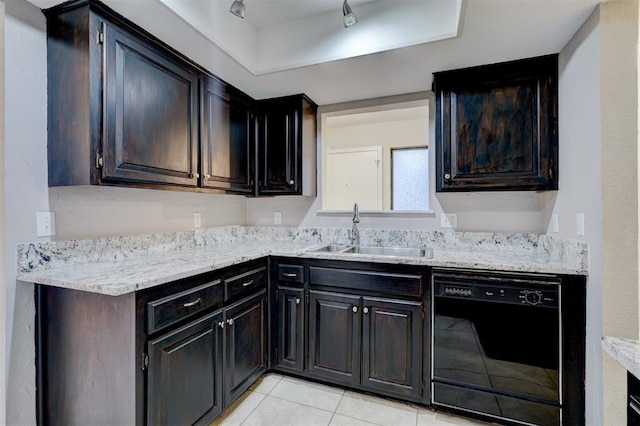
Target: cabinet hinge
{"x": 99, "y": 160}
{"x": 307, "y": 298}
{"x": 276, "y": 354}
{"x": 277, "y": 294}
{"x": 101, "y": 34}
{"x": 550, "y": 173}
{"x": 145, "y": 361}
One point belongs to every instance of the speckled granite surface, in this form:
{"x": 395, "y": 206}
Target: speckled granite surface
{"x": 119, "y": 265}
{"x": 625, "y": 351}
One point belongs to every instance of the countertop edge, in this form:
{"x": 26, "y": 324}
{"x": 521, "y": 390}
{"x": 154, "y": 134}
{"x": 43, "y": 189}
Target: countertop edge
{"x": 625, "y": 351}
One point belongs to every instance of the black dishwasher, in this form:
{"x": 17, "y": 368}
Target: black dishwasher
{"x": 496, "y": 346}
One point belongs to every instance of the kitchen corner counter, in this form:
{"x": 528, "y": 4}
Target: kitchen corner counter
{"x": 120, "y": 265}
{"x": 624, "y": 351}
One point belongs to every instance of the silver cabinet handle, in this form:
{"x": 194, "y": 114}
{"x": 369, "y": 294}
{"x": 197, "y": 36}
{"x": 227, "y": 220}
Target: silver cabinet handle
{"x": 290, "y": 275}
{"x": 230, "y": 321}
{"x": 197, "y": 175}
{"x": 221, "y": 324}
{"x": 447, "y": 176}
{"x": 365, "y": 310}
{"x": 247, "y": 284}
{"x": 355, "y": 309}
{"x": 207, "y": 175}
{"x": 192, "y": 303}
{"x": 291, "y": 182}
{"x": 297, "y": 300}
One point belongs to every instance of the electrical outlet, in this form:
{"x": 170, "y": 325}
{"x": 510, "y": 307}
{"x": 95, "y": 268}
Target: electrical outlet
{"x": 555, "y": 226}
{"x": 197, "y": 220}
{"x": 580, "y": 224}
{"x": 449, "y": 220}
{"x": 277, "y": 218}
{"x": 46, "y": 224}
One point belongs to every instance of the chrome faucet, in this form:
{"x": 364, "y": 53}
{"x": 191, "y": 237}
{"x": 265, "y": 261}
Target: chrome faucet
{"x": 355, "y": 233}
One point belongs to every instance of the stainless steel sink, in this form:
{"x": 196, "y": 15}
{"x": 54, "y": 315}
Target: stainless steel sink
{"x": 389, "y": 251}
{"x": 332, "y": 248}
{"x": 378, "y": 251}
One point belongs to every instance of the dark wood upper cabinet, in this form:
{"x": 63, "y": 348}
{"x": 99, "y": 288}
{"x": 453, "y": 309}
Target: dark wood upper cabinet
{"x": 126, "y": 109}
{"x": 122, "y": 106}
{"x": 497, "y": 126}
{"x": 150, "y": 113}
{"x": 228, "y": 138}
{"x": 287, "y": 146}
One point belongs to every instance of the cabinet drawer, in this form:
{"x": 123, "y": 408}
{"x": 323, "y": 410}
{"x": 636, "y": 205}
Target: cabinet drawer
{"x": 291, "y": 273}
{"x": 387, "y": 282}
{"x": 245, "y": 284}
{"x": 173, "y": 308}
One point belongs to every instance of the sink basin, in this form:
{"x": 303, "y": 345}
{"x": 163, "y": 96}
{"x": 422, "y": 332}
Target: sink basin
{"x": 390, "y": 251}
{"x": 378, "y": 251}
{"x": 332, "y": 248}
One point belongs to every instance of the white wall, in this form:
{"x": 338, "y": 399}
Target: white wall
{"x": 89, "y": 211}
{"x": 25, "y": 162}
{"x": 620, "y": 234}
{"x": 3, "y": 317}
{"x": 580, "y": 182}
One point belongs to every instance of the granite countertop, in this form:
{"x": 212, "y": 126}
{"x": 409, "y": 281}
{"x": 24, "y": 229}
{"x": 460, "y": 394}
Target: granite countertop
{"x": 120, "y": 265}
{"x": 625, "y": 351}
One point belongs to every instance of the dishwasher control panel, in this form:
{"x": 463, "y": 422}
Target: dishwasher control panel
{"x": 542, "y": 296}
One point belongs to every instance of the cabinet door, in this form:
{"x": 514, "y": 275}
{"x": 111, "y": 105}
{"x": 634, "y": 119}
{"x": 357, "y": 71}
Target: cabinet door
{"x": 392, "y": 346}
{"x": 334, "y": 336}
{"x": 245, "y": 345}
{"x": 150, "y": 117}
{"x": 279, "y": 148}
{"x": 184, "y": 384}
{"x": 497, "y": 126}
{"x": 227, "y": 138}
{"x": 291, "y": 328}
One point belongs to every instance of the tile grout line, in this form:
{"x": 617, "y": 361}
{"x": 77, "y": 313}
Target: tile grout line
{"x": 264, "y": 396}
{"x": 336, "y": 409}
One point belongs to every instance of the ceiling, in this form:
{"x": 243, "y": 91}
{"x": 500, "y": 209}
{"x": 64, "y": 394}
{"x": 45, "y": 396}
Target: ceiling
{"x": 300, "y": 46}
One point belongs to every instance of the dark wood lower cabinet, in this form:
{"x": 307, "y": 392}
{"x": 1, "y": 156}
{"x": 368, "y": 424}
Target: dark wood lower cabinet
{"x": 334, "y": 337}
{"x": 245, "y": 344}
{"x": 392, "y": 346}
{"x": 372, "y": 343}
{"x": 184, "y": 384}
{"x": 290, "y": 353}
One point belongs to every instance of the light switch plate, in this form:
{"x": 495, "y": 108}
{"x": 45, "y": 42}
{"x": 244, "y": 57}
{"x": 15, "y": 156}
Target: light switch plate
{"x": 46, "y": 224}
{"x": 580, "y": 224}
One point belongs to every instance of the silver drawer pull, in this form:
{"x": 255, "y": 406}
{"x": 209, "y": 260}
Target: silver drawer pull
{"x": 355, "y": 309}
{"x": 247, "y": 284}
{"x": 193, "y": 303}
{"x": 230, "y": 321}
{"x": 365, "y": 310}
{"x": 290, "y": 275}
{"x": 221, "y": 324}
{"x": 297, "y": 300}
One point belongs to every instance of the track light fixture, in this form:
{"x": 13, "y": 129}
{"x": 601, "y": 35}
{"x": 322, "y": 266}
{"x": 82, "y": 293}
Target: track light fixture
{"x": 237, "y": 8}
{"x": 349, "y": 18}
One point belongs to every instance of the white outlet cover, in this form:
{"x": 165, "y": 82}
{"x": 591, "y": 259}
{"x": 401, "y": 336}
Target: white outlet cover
{"x": 555, "y": 225}
{"x": 45, "y": 224}
{"x": 277, "y": 218}
{"x": 197, "y": 220}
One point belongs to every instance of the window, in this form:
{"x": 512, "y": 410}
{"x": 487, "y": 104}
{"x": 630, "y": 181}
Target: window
{"x": 409, "y": 178}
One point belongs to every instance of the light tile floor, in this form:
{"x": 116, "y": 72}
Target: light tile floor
{"x": 281, "y": 401}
